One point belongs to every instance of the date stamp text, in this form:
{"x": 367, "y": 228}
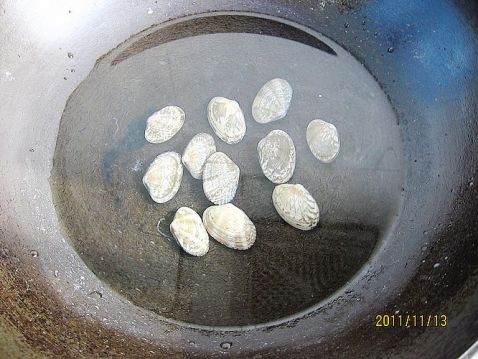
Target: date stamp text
{"x": 411, "y": 320}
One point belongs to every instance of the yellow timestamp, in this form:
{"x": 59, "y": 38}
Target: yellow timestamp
{"x": 411, "y": 320}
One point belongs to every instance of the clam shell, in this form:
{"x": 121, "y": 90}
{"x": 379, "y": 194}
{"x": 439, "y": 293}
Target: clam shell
{"x": 323, "y": 140}
{"x": 197, "y": 152}
{"x": 277, "y": 156}
{"x": 230, "y": 226}
{"x": 164, "y": 124}
{"x": 226, "y": 119}
{"x": 189, "y": 231}
{"x": 163, "y": 178}
{"x": 272, "y": 101}
{"x": 220, "y": 178}
{"x": 296, "y": 206}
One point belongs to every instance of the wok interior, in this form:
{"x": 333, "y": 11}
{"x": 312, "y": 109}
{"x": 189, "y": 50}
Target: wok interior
{"x": 101, "y": 157}
{"x": 421, "y": 54}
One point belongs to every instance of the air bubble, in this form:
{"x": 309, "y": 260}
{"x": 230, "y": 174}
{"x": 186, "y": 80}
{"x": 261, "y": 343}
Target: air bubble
{"x": 226, "y": 345}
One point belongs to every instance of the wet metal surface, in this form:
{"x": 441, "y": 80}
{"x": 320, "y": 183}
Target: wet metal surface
{"x": 422, "y": 54}
{"x": 101, "y": 156}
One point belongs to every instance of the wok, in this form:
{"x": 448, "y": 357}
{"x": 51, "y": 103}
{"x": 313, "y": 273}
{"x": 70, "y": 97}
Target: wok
{"x": 68, "y": 291}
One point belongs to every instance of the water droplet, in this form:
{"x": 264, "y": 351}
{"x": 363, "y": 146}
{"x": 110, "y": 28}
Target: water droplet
{"x": 436, "y": 265}
{"x": 70, "y": 55}
{"x": 34, "y": 253}
{"x": 55, "y": 273}
{"x": 96, "y": 294}
{"x": 3, "y": 252}
{"x": 226, "y": 345}
{"x": 390, "y": 49}
{"x": 346, "y": 25}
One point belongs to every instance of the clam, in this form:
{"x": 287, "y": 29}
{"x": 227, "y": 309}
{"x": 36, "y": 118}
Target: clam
{"x": 277, "y": 156}
{"x": 164, "y": 124}
{"x": 323, "y": 140}
{"x": 189, "y": 231}
{"x": 163, "y": 178}
{"x": 296, "y": 206}
{"x": 197, "y": 152}
{"x": 220, "y": 178}
{"x": 226, "y": 119}
{"x": 230, "y": 226}
{"x": 272, "y": 101}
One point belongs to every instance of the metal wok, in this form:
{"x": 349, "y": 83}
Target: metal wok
{"x": 423, "y": 56}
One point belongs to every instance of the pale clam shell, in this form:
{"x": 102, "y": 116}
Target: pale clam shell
{"x": 272, "y": 101}
{"x": 230, "y": 226}
{"x": 197, "y": 152}
{"x": 226, "y": 119}
{"x": 164, "y": 124}
{"x": 189, "y": 231}
{"x": 277, "y": 156}
{"x": 163, "y": 177}
{"x": 323, "y": 140}
{"x": 296, "y": 206}
{"x": 220, "y": 178}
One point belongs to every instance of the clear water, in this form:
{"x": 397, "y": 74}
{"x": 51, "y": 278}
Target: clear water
{"x": 111, "y": 221}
